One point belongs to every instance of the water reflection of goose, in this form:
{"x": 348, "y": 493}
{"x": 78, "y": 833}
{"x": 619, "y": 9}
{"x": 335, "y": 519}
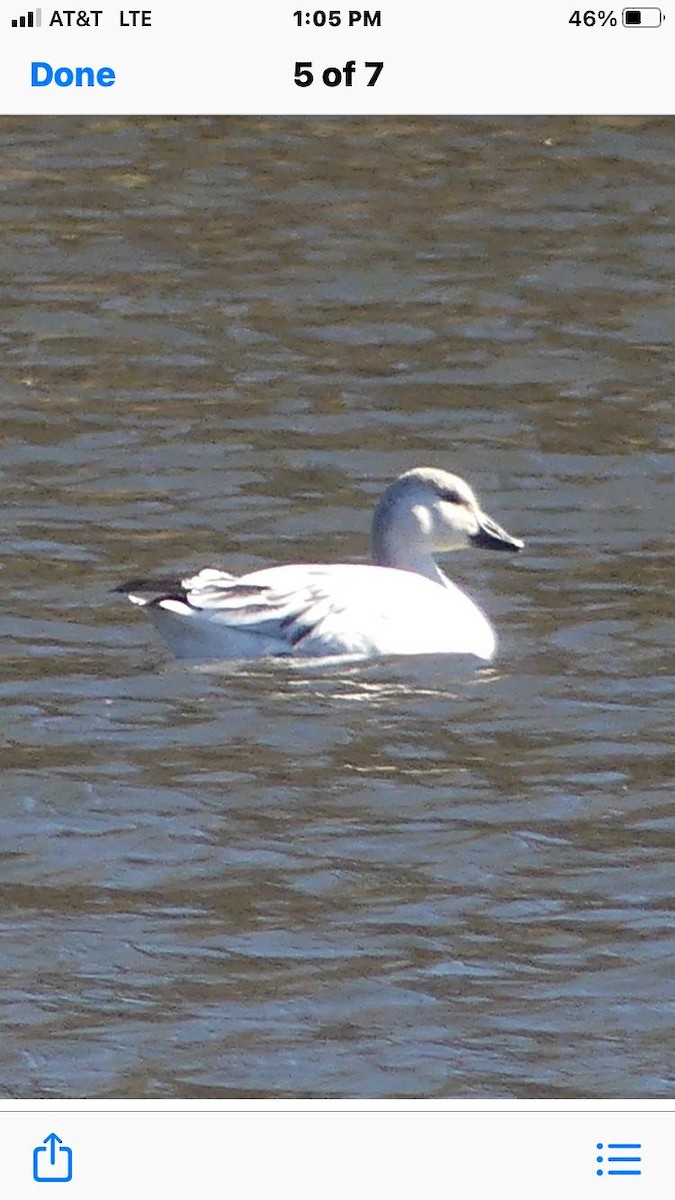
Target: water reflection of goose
{"x": 401, "y": 603}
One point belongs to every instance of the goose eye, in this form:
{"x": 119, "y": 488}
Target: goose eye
{"x": 451, "y": 497}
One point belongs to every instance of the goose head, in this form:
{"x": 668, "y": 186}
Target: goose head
{"x": 426, "y": 512}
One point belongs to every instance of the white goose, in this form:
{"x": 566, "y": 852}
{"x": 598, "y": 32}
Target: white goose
{"x": 401, "y": 603}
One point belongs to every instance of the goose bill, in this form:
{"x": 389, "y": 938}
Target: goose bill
{"x": 491, "y": 536}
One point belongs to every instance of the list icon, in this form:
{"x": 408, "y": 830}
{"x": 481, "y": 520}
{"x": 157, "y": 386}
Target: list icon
{"x": 620, "y": 1158}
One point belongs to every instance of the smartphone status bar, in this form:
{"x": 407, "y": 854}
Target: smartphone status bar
{"x": 390, "y": 58}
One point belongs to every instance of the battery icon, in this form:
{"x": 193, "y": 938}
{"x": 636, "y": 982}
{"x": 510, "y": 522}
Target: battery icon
{"x": 645, "y": 18}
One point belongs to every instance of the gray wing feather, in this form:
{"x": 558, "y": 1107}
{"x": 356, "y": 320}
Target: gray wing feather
{"x": 294, "y": 616}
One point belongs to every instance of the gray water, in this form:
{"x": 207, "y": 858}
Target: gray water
{"x": 220, "y": 340}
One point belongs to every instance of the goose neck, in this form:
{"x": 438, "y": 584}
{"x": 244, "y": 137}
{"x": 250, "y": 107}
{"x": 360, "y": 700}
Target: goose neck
{"x": 401, "y": 548}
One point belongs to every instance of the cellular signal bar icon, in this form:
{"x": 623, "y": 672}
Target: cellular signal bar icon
{"x": 30, "y": 21}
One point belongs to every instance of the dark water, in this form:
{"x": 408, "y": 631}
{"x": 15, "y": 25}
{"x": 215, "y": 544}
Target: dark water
{"x": 220, "y": 340}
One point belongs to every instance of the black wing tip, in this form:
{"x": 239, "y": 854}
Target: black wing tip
{"x": 154, "y": 589}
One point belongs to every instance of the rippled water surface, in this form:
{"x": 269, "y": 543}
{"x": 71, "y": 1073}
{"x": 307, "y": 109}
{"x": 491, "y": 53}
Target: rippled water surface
{"x": 220, "y": 340}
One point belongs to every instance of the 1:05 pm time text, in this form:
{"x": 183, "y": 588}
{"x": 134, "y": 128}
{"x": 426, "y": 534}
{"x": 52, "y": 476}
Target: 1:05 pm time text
{"x": 354, "y": 17}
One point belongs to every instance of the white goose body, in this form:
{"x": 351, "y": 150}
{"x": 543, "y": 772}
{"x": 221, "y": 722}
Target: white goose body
{"x": 401, "y": 603}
